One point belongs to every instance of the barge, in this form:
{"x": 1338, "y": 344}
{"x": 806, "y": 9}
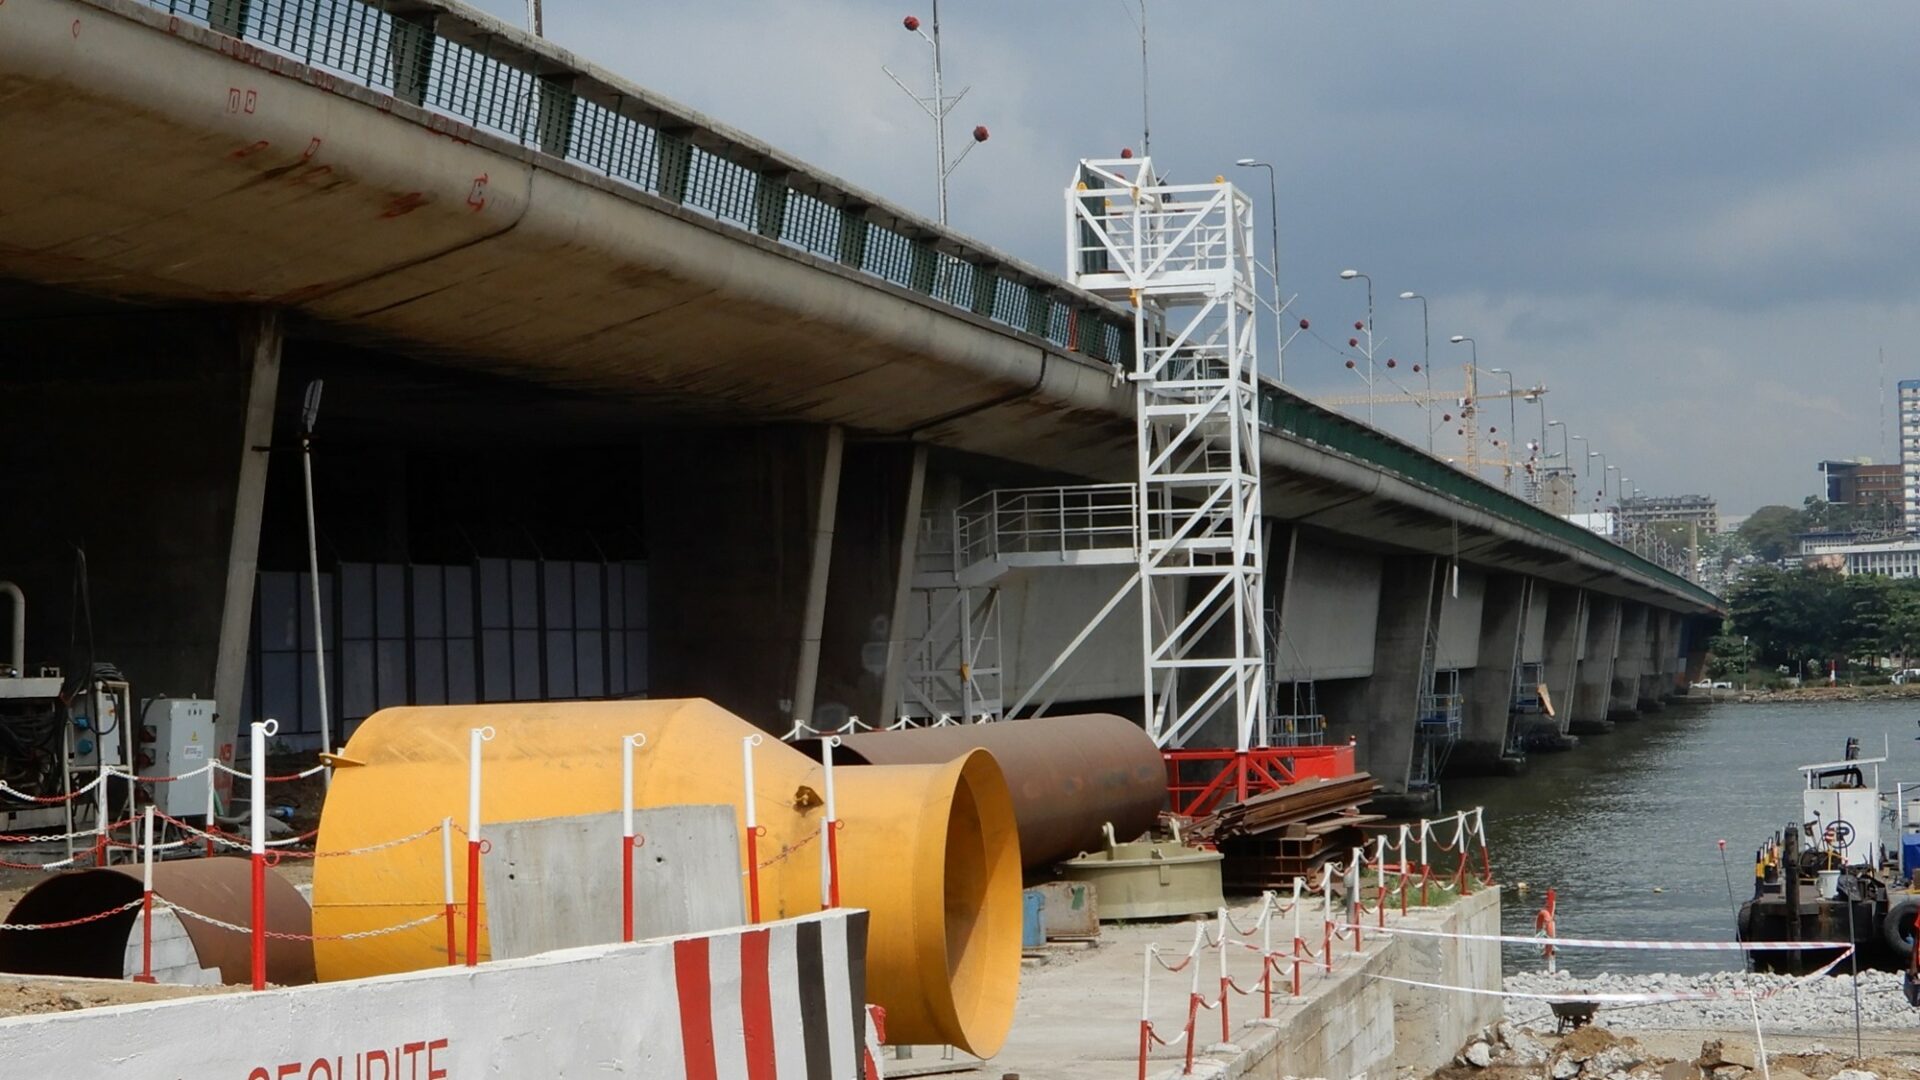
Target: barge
{"x": 1827, "y": 877}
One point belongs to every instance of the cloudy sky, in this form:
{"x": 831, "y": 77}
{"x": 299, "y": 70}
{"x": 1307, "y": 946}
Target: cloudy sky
{"x": 1695, "y": 223}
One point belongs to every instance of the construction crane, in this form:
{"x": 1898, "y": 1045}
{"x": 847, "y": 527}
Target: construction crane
{"x": 1467, "y": 401}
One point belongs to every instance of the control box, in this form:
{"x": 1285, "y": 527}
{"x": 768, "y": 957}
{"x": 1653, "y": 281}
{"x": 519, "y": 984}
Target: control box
{"x": 176, "y": 737}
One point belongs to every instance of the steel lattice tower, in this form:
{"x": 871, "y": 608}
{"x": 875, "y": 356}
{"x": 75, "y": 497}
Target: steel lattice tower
{"x": 1181, "y": 256}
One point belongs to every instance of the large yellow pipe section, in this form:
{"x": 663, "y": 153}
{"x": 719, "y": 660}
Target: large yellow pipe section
{"x": 930, "y": 850}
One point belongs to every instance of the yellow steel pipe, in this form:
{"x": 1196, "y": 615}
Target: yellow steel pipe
{"x": 931, "y": 850}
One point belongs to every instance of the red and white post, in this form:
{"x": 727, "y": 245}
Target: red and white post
{"x": 1299, "y": 943}
{"x": 1326, "y": 916}
{"x": 753, "y": 829}
{"x": 1405, "y": 865}
{"x": 146, "y": 904}
{"x": 101, "y": 812}
{"x": 829, "y": 825}
{"x": 1425, "y": 827}
{"x": 628, "y": 744}
{"x": 213, "y": 822}
{"x": 1146, "y": 1019}
{"x": 446, "y": 876}
{"x": 1380, "y": 867}
{"x": 1226, "y": 984}
{"x": 475, "y": 737}
{"x": 257, "y": 828}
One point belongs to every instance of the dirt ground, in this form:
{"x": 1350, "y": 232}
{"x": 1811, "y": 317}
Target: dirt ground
{"x": 22, "y": 995}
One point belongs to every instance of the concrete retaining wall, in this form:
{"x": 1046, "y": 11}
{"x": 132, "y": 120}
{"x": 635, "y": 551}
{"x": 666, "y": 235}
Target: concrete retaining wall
{"x": 1358, "y": 1024}
{"x": 782, "y": 1000}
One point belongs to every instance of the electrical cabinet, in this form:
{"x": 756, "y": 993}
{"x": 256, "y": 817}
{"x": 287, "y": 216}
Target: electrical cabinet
{"x": 176, "y": 736}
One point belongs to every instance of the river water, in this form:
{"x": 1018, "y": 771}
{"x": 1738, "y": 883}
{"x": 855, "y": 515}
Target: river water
{"x": 1625, "y": 826}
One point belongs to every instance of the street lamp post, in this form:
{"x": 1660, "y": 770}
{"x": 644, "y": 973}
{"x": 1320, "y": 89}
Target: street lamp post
{"x": 1426, "y": 359}
{"x": 937, "y": 107}
{"x": 1349, "y": 275}
{"x": 1273, "y": 214}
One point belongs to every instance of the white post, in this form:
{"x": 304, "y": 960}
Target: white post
{"x": 475, "y": 737}
{"x": 102, "y": 814}
{"x": 747, "y": 743}
{"x": 829, "y": 846}
{"x": 146, "y": 876}
{"x": 257, "y": 834}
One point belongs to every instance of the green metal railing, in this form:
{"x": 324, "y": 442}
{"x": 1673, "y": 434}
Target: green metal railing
{"x": 471, "y": 69}
{"x": 441, "y": 57}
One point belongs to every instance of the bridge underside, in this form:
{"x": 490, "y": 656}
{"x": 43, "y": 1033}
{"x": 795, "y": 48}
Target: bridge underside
{"x": 578, "y": 440}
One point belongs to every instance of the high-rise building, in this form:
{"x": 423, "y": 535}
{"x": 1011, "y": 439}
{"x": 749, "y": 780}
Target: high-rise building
{"x": 1910, "y": 451}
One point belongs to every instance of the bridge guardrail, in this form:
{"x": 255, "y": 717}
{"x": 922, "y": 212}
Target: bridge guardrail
{"x": 490, "y": 76}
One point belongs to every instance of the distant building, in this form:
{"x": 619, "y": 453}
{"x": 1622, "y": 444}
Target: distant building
{"x": 1555, "y": 491}
{"x": 1894, "y": 558}
{"x": 1601, "y": 522}
{"x": 1700, "y": 510}
{"x": 1910, "y": 451}
{"x": 1862, "y": 484}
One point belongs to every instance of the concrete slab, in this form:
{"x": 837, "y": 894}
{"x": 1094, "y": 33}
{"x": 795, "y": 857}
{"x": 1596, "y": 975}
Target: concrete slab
{"x": 554, "y": 883}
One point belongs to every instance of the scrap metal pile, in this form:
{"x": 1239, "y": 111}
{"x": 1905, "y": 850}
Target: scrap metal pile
{"x": 1273, "y": 837}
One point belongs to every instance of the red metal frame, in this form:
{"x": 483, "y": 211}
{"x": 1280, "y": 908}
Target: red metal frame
{"x": 1251, "y": 772}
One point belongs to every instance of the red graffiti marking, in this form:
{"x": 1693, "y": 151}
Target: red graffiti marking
{"x": 405, "y": 204}
{"x": 312, "y": 149}
{"x": 249, "y": 151}
{"x": 402, "y": 1062}
{"x": 252, "y": 99}
{"x": 477, "y": 197}
{"x": 233, "y": 99}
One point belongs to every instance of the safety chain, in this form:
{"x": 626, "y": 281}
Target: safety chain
{"x": 64, "y": 923}
{"x": 219, "y": 838}
{"x": 282, "y": 935}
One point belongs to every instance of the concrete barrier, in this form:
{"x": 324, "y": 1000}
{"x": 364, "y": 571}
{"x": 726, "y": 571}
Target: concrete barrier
{"x": 783, "y": 1001}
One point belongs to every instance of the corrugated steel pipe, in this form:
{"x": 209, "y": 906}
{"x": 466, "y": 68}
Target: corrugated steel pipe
{"x": 220, "y": 888}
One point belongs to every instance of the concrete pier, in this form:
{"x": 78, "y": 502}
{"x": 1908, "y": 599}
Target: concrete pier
{"x": 1593, "y": 686}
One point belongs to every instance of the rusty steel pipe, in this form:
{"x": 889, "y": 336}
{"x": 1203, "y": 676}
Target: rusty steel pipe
{"x": 1069, "y": 774}
{"x": 220, "y": 887}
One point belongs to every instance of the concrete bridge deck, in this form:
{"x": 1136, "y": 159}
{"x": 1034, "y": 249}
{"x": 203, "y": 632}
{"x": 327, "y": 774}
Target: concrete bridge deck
{"x": 409, "y": 182}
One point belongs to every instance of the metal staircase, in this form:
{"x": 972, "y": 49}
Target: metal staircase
{"x": 1438, "y": 720}
{"x": 1180, "y": 255}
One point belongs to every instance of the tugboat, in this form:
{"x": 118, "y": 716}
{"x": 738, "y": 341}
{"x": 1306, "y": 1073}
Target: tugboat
{"x": 1826, "y": 876}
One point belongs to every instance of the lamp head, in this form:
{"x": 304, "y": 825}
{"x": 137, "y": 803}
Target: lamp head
{"x": 1409, "y": 296}
{"x": 1498, "y": 371}
{"x": 1246, "y": 161}
{"x": 1457, "y": 338}
{"x": 1349, "y": 275}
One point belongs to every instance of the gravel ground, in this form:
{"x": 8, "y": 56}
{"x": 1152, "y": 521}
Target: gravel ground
{"x": 1821, "y": 1005}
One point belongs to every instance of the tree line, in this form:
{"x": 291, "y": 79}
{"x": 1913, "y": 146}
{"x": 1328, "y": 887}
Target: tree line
{"x": 1791, "y": 617}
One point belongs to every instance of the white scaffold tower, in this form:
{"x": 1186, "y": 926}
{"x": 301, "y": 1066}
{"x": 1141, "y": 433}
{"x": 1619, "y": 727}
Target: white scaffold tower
{"x": 1181, "y": 255}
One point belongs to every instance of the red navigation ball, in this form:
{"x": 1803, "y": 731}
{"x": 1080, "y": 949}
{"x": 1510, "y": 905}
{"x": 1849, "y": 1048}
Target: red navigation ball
{"x": 1446, "y": 418}
{"x": 1303, "y": 324}
{"x": 911, "y": 22}
{"x": 1416, "y": 369}
{"x": 1391, "y": 362}
{"x": 980, "y": 133}
{"x": 1349, "y": 363}
{"x": 1126, "y": 152}
{"x": 1358, "y": 325}
{"x": 1353, "y": 343}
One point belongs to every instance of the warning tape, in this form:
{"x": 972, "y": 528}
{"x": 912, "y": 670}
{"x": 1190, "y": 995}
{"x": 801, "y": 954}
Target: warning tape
{"x": 1625, "y": 943}
{"x": 1642, "y": 998}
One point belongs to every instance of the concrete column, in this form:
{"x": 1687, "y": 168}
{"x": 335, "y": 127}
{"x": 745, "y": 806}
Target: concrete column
{"x": 826, "y": 513}
{"x": 1488, "y": 687}
{"x": 1630, "y": 663}
{"x": 1654, "y": 685}
{"x": 1697, "y": 634}
{"x": 1566, "y": 636}
{"x": 139, "y": 438}
{"x": 1593, "y": 686}
{"x": 731, "y": 531}
{"x": 864, "y": 638}
{"x": 1381, "y": 709}
{"x": 259, "y": 347}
